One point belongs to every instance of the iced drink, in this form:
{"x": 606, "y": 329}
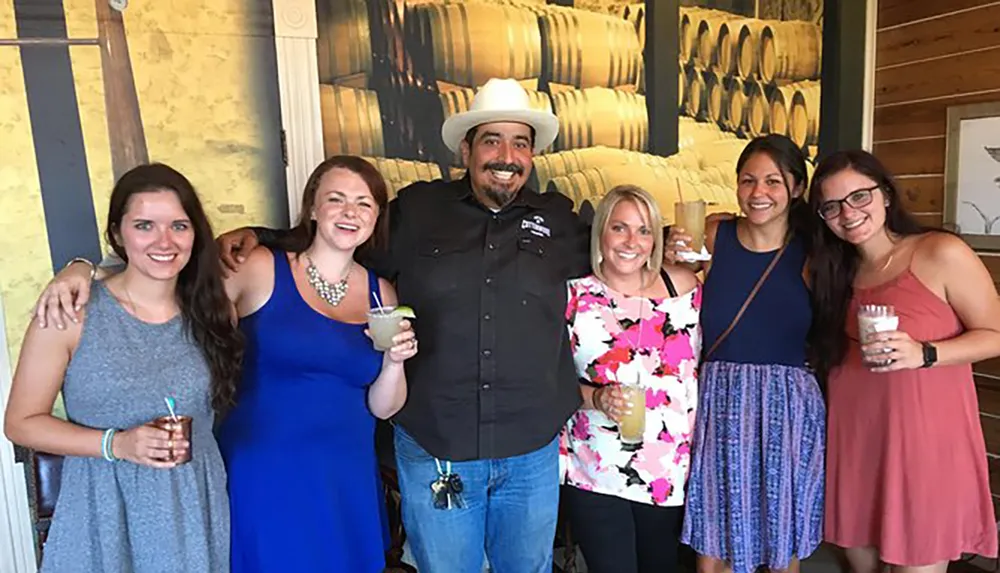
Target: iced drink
{"x": 180, "y": 429}
{"x": 872, "y": 319}
{"x": 383, "y": 323}
{"x": 690, "y": 216}
{"x": 633, "y": 424}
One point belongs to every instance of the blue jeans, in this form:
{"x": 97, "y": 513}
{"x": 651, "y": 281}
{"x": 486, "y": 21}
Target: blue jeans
{"x": 510, "y": 510}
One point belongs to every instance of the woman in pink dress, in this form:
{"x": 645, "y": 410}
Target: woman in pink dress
{"x": 629, "y": 321}
{"x": 907, "y": 480}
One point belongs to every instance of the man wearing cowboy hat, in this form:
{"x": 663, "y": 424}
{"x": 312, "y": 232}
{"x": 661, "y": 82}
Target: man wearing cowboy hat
{"x": 484, "y": 263}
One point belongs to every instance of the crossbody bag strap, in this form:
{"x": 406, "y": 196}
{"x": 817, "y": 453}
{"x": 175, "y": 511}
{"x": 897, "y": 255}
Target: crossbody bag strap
{"x": 746, "y": 303}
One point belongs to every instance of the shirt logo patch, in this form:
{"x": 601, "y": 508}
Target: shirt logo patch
{"x": 535, "y": 224}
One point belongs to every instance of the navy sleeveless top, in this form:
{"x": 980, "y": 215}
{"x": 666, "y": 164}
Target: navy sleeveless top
{"x": 774, "y": 326}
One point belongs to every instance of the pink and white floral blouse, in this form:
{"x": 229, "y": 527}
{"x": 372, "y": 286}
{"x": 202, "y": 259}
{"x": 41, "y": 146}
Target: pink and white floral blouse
{"x": 604, "y": 333}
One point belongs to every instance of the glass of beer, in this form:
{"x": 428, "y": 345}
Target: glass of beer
{"x": 632, "y": 425}
{"x": 872, "y": 319}
{"x": 690, "y": 216}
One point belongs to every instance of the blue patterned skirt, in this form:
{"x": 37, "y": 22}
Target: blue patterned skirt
{"x": 755, "y": 492}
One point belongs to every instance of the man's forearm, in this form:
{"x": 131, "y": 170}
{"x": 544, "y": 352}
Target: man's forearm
{"x": 270, "y": 238}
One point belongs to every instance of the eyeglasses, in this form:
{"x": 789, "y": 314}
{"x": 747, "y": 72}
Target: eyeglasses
{"x": 857, "y": 199}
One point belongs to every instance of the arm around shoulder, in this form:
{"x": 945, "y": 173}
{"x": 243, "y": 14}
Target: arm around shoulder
{"x": 251, "y": 285}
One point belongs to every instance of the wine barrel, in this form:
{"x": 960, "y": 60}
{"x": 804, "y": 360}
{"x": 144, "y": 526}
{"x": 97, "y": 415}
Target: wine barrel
{"x": 468, "y": 43}
{"x": 459, "y": 100}
{"x": 691, "y": 133}
{"x": 721, "y": 153}
{"x": 781, "y": 107}
{"x": 747, "y": 47}
{"x": 735, "y": 118}
{"x": 714, "y": 96}
{"x": 635, "y": 14}
{"x": 682, "y": 89}
{"x": 707, "y": 39}
{"x": 587, "y": 49}
{"x": 343, "y": 45}
{"x": 758, "y": 109}
{"x": 601, "y": 116}
{"x": 352, "y": 121}
{"x": 396, "y": 169}
{"x": 791, "y": 50}
{"x": 803, "y": 121}
{"x": 666, "y": 184}
{"x": 697, "y": 95}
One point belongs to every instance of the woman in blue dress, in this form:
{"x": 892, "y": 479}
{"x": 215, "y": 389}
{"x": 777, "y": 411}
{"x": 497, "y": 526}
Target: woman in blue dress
{"x": 299, "y": 446}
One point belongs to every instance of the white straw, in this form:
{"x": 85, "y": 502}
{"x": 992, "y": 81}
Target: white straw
{"x": 378, "y": 302}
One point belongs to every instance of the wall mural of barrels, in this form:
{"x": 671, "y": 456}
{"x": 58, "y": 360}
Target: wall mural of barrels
{"x": 745, "y": 68}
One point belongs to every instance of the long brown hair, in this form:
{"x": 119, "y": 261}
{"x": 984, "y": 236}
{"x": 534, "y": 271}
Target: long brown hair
{"x": 303, "y": 234}
{"x": 834, "y": 262}
{"x": 201, "y": 294}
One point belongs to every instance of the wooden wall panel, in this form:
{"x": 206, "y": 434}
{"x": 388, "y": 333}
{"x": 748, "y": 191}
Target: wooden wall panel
{"x": 922, "y": 118}
{"x": 988, "y": 394}
{"x": 944, "y": 77}
{"x": 991, "y": 431}
{"x": 922, "y": 194}
{"x": 912, "y": 156}
{"x": 896, "y": 12}
{"x": 951, "y": 34}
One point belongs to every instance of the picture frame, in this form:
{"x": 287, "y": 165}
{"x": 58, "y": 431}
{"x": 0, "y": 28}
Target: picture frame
{"x": 972, "y": 174}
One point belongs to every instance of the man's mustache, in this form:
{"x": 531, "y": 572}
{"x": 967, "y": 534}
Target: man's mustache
{"x": 501, "y": 166}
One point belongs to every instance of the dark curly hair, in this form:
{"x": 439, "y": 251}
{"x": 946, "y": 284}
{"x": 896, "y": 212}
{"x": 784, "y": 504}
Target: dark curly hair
{"x": 201, "y": 295}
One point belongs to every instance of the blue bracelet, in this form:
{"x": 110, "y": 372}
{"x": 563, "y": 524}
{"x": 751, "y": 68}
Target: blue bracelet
{"x": 106, "y": 445}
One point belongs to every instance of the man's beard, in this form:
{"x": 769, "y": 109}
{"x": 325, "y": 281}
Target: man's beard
{"x": 499, "y": 195}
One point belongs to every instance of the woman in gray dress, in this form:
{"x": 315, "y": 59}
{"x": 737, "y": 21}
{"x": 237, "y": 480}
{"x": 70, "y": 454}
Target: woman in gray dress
{"x": 162, "y": 328}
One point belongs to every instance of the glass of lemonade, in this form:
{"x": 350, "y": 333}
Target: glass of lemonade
{"x": 632, "y": 425}
{"x": 384, "y": 324}
{"x": 690, "y": 216}
{"x": 872, "y": 319}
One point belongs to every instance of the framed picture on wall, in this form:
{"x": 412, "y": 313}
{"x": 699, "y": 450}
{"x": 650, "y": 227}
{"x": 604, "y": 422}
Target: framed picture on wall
{"x": 972, "y": 174}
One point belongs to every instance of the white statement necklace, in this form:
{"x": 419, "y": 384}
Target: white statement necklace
{"x": 332, "y": 293}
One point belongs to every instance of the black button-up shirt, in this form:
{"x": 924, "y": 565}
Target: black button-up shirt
{"x": 494, "y": 376}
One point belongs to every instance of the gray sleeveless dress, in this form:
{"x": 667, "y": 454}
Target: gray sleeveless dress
{"x": 120, "y": 517}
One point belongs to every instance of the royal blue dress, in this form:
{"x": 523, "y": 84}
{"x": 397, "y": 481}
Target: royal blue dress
{"x": 299, "y": 446}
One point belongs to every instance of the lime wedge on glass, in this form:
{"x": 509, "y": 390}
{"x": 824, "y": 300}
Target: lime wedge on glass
{"x": 404, "y": 311}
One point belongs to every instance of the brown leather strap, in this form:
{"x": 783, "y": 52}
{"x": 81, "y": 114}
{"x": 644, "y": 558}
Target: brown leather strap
{"x": 746, "y": 303}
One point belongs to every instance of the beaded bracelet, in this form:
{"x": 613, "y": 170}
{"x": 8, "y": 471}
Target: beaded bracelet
{"x": 106, "y": 445}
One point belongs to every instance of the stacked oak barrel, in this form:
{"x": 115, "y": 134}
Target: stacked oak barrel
{"x": 426, "y": 59}
{"x": 752, "y": 76}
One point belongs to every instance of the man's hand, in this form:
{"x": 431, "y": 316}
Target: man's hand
{"x": 235, "y": 246}
{"x": 64, "y": 296}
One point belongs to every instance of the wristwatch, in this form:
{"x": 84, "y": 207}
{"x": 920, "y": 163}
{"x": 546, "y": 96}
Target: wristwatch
{"x": 930, "y": 354}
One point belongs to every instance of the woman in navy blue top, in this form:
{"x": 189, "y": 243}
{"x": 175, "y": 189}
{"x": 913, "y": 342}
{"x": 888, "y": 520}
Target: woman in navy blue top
{"x": 755, "y": 493}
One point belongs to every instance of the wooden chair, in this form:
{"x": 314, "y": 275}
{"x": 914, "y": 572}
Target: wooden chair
{"x": 43, "y": 474}
{"x": 390, "y": 486}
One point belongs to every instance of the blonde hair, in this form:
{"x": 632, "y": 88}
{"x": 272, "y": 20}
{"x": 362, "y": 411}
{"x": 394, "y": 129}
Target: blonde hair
{"x": 602, "y": 215}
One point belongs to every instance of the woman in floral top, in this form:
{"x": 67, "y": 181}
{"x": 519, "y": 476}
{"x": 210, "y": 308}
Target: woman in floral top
{"x": 630, "y": 320}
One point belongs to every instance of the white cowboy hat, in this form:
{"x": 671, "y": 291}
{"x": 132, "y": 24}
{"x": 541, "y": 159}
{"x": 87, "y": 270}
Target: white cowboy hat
{"x": 500, "y": 100}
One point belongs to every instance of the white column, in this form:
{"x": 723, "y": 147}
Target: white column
{"x": 868, "y": 108}
{"x": 298, "y": 85}
{"x": 17, "y": 552}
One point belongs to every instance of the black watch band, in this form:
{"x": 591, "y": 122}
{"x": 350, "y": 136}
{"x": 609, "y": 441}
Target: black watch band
{"x": 930, "y": 354}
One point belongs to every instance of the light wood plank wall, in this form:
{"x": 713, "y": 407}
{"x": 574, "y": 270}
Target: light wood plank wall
{"x": 931, "y": 54}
